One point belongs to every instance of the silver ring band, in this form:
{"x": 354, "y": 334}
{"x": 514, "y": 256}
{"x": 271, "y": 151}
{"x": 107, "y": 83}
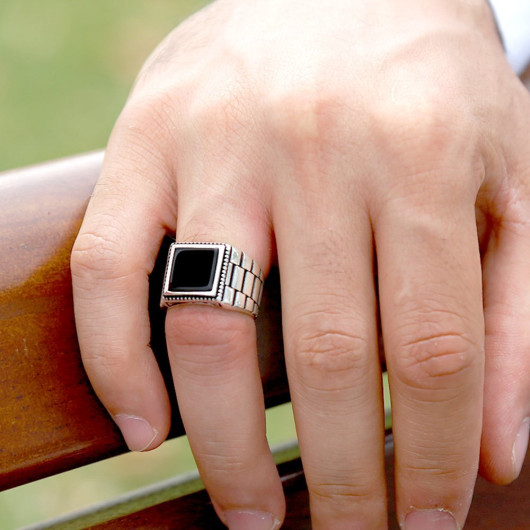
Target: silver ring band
{"x": 212, "y": 273}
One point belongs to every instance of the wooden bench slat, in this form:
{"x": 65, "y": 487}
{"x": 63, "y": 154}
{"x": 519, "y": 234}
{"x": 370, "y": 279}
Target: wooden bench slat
{"x": 148, "y": 498}
{"x": 493, "y": 507}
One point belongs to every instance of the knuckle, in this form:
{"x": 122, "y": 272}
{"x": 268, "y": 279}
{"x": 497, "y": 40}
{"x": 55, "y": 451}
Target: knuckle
{"x": 439, "y": 359}
{"x": 346, "y": 501}
{"x": 146, "y": 113}
{"x": 341, "y": 494}
{"x": 305, "y": 117}
{"x": 221, "y": 459}
{"x": 428, "y": 113}
{"x": 147, "y": 124}
{"x": 330, "y": 350}
{"x": 222, "y": 113}
{"x": 208, "y": 341}
{"x": 327, "y": 351}
{"x": 429, "y": 135}
{"x": 450, "y": 471}
{"x": 97, "y": 256}
{"x": 202, "y": 325}
{"x": 107, "y": 364}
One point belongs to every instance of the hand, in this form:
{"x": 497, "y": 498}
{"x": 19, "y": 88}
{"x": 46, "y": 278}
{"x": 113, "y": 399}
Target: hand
{"x": 335, "y": 141}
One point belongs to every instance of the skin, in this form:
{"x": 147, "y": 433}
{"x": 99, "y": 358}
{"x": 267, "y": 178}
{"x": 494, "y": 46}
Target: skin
{"x": 372, "y": 136}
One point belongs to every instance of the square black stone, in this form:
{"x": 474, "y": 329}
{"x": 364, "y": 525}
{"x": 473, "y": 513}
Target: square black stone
{"x": 193, "y": 269}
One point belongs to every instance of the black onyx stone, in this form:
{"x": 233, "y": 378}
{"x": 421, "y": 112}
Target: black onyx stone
{"x": 193, "y": 269}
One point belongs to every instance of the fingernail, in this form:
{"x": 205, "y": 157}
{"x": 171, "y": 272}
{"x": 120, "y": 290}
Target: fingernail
{"x": 430, "y": 520}
{"x": 138, "y": 433}
{"x": 249, "y": 520}
{"x": 520, "y": 446}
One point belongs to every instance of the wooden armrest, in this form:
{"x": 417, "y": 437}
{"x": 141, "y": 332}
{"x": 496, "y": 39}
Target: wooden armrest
{"x": 50, "y": 419}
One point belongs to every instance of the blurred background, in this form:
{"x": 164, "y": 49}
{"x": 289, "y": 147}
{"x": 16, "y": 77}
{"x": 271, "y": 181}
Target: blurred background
{"x": 66, "y": 68}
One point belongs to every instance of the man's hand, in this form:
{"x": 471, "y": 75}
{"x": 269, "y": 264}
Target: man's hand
{"x": 336, "y": 139}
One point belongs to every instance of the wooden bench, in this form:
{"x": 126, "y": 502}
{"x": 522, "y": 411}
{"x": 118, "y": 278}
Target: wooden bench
{"x": 50, "y": 419}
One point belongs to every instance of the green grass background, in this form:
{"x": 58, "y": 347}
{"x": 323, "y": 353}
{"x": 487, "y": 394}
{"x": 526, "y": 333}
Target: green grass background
{"x": 66, "y": 68}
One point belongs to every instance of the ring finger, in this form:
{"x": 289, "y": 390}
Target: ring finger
{"x": 215, "y": 369}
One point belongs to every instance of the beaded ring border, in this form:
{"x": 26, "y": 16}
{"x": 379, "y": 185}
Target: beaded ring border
{"x": 214, "y": 274}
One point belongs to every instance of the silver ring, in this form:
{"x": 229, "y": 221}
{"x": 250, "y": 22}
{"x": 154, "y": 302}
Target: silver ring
{"x": 212, "y": 273}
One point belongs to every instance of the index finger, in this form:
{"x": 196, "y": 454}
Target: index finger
{"x": 111, "y": 261}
